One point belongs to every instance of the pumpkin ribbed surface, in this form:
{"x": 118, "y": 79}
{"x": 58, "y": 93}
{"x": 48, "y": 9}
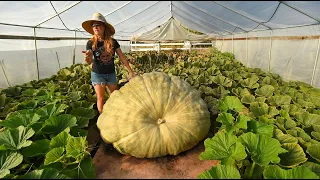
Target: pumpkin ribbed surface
{"x": 154, "y": 115}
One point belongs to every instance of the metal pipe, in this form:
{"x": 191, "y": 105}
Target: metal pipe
{"x": 315, "y": 63}
{"x": 270, "y": 50}
{"x": 5, "y": 75}
{"x": 36, "y": 50}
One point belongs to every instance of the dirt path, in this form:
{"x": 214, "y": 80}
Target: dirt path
{"x": 186, "y": 165}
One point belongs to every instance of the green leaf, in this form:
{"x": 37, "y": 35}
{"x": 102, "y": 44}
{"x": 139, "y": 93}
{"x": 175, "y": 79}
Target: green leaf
{"x": 230, "y": 103}
{"x": 220, "y": 172}
{"x": 316, "y": 135}
{"x": 76, "y": 145}
{"x": 259, "y": 109}
{"x": 15, "y": 139}
{"x": 279, "y": 100}
{"x": 17, "y": 120}
{"x": 247, "y": 99}
{"x": 44, "y": 174}
{"x": 294, "y": 157}
{"x": 262, "y": 149}
{"x": 83, "y": 104}
{"x": 260, "y": 128}
{"x": 300, "y": 172}
{"x": 313, "y": 151}
{"x": 284, "y": 138}
{"x": 250, "y": 83}
{"x": 54, "y": 155}
{"x": 308, "y": 119}
{"x": 314, "y": 167}
{"x": 2, "y": 101}
{"x": 56, "y": 124}
{"x": 77, "y": 132}
{"x": 51, "y": 110}
{"x": 60, "y": 140}
{"x": 265, "y": 91}
{"x": 37, "y": 148}
{"x": 223, "y": 81}
{"x": 29, "y": 104}
{"x": 9, "y": 160}
{"x": 224, "y": 147}
{"x": 84, "y": 170}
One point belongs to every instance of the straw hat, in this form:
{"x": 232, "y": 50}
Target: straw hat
{"x": 87, "y": 25}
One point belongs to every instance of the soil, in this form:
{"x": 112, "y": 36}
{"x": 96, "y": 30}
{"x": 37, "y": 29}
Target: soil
{"x": 111, "y": 164}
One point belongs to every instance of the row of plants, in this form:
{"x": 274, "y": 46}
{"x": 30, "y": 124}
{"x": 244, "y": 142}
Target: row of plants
{"x": 44, "y": 126}
{"x": 263, "y": 127}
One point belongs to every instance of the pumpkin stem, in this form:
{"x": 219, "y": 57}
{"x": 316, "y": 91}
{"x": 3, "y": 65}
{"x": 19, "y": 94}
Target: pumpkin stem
{"x": 160, "y": 121}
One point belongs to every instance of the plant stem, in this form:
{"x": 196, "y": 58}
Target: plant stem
{"x": 252, "y": 168}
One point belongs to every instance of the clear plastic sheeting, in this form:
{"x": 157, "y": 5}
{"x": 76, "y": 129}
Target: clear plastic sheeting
{"x": 276, "y": 36}
{"x": 168, "y": 31}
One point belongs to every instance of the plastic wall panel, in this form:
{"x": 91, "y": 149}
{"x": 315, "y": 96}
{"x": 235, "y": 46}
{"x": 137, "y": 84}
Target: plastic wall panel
{"x": 19, "y": 65}
{"x": 258, "y": 54}
{"x": 293, "y": 59}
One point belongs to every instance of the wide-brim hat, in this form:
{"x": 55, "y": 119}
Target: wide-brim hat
{"x": 87, "y": 25}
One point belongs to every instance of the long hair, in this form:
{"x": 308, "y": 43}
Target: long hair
{"x": 108, "y": 42}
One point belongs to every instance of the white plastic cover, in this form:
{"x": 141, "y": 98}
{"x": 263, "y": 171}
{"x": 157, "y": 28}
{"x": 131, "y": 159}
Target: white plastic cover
{"x": 170, "y": 31}
{"x": 295, "y": 59}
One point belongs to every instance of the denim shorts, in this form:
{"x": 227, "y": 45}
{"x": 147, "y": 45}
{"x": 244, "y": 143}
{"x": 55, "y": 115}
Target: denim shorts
{"x": 103, "y": 79}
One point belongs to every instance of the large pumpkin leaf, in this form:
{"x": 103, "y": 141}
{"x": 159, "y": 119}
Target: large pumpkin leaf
{"x": 17, "y": 120}
{"x": 262, "y": 149}
{"x": 300, "y": 172}
{"x": 15, "y": 139}
{"x": 284, "y": 138}
{"x": 230, "y": 124}
{"x": 262, "y": 109}
{"x": 76, "y": 146}
{"x": 54, "y": 155}
{"x": 279, "y": 100}
{"x": 51, "y": 110}
{"x": 294, "y": 157}
{"x": 313, "y": 151}
{"x": 315, "y": 135}
{"x": 84, "y": 170}
{"x": 291, "y": 108}
{"x": 37, "y": 148}
{"x": 223, "y": 81}
{"x": 2, "y": 101}
{"x": 44, "y": 174}
{"x": 225, "y": 147}
{"x": 220, "y": 172}
{"x": 265, "y": 91}
{"x": 83, "y": 115}
{"x": 230, "y": 103}
{"x": 260, "y": 128}
{"x": 9, "y": 160}
{"x": 83, "y": 104}
{"x": 250, "y": 83}
{"x": 308, "y": 119}
{"x": 56, "y": 124}
{"x": 247, "y": 99}
{"x": 313, "y": 166}
{"x": 60, "y": 140}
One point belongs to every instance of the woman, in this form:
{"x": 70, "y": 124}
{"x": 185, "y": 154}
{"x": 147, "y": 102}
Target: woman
{"x": 101, "y": 48}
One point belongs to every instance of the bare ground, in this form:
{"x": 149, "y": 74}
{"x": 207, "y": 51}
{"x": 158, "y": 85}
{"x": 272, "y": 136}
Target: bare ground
{"x": 186, "y": 165}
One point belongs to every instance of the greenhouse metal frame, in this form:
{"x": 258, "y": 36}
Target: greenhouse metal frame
{"x": 282, "y": 37}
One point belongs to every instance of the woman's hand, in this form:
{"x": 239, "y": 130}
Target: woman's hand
{"x": 88, "y": 56}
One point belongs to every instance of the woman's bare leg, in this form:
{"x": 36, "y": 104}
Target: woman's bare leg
{"x": 100, "y": 90}
{"x": 112, "y": 87}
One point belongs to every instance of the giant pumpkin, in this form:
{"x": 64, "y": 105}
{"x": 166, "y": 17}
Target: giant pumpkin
{"x": 154, "y": 115}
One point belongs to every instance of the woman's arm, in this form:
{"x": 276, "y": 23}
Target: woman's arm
{"x": 124, "y": 61}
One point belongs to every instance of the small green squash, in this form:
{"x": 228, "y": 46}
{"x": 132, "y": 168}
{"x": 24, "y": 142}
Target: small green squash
{"x": 154, "y": 115}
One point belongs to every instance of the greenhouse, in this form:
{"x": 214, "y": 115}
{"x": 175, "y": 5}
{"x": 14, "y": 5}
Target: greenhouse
{"x": 218, "y": 90}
